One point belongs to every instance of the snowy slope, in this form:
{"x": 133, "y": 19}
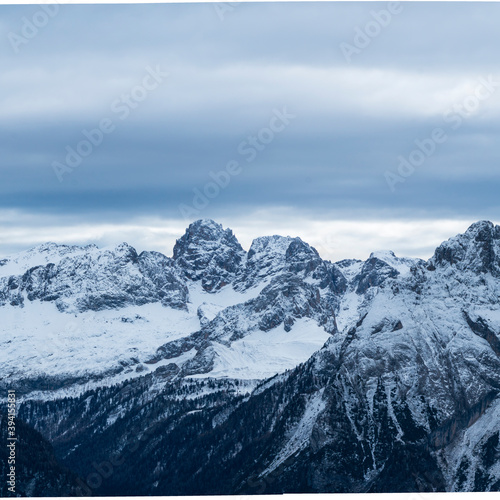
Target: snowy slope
{"x": 39, "y": 340}
{"x": 264, "y": 354}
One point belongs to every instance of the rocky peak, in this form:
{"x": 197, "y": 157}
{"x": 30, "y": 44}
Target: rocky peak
{"x": 201, "y": 230}
{"x": 125, "y": 252}
{"x": 299, "y": 252}
{"x": 477, "y": 250}
{"x": 95, "y": 280}
{"x": 267, "y": 256}
{"x": 209, "y": 253}
{"x": 373, "y": 273}
{"x": 275, "y": 246}
{"x": 379, "y": 267}
{"x": 272, "y": 255}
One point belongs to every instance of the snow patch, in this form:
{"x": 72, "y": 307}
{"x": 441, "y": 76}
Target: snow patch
{"x": 401, "y": 264}
{"x": 39, "y": 340}
{"x": 299, "y": 437}
{"x": 261, "y": 354}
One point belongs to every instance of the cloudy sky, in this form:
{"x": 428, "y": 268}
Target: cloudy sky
{"x": 356, "y": 126}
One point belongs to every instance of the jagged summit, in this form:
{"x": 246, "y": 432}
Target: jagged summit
{"x": 270, "y": 245}
{"x": 50, "y": 246}
{"x": 204, "y": 229}
{"x": 209, "y": 253}
{"x": 481, "y": 225}
{"x": 270, "y": 255}
{"x": 476, "y": 250}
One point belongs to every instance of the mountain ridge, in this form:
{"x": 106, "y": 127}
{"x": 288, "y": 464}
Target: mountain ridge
{"x": 278, "y": 370}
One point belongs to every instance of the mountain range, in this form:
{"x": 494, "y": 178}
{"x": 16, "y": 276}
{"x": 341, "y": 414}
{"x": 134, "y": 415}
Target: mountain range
{"x": 221, "y": 371}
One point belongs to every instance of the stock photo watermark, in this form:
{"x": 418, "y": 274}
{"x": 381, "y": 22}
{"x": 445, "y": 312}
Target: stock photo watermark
{"x": 248, "y": 149}
{"x": 105, "y": 469}
{"x": 222, "y": 8}
{"x": 363, "y": 36}
{"x": 11, "y": 441}
{"x": 426, "y": 147}
{"x": 122, "y": 108}
{"x": 31, "y": 27}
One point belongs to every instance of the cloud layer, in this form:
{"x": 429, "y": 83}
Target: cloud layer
{"x": 229, "y": 71}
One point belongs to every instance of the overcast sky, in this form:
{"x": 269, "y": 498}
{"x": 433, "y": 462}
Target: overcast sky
{"x": 308, "y": 108}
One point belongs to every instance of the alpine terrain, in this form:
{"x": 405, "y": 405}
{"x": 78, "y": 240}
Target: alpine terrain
{"x": 222, "y": 371}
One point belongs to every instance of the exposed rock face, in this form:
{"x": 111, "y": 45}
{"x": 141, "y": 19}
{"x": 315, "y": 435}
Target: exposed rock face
{"x": 209, "y": 253}
{"x": 157, "y": 268}
{"x": 280, "y": 304}
{"x": 477, "y": 250}
{"x": 270, "y": 256}
{"x": 94, "y": 280}
{"x": 224, "y": 295}
{"x": 374, "y": 272}
{"x": 481, "y": 328}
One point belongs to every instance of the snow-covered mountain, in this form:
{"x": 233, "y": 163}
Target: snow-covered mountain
{"x": 279, "y": 371}
{"x": 77, "y": 315}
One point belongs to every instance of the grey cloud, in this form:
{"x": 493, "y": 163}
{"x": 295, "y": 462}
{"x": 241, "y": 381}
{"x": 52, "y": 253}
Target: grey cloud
{"x": 226, "y": 77}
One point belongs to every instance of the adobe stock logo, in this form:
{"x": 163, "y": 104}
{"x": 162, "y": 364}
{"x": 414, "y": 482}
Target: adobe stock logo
{"x": 429, "y": 145}
{"x": 122, "y": 107}
{"x": 222, "y": 7}
{"x": 31, "y": 27}
{"x": 250, "y": 149}
{"x": 363, "y": 37}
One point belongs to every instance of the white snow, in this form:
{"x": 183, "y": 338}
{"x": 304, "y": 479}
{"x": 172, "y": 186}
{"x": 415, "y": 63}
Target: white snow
{"x": 76, "y": 390}
{"x": 300, "y": 435}
{"x": 348, "y": 314}
{"x": 467, "y": 442}
{"x": 41, "y": 255}
{"x": 350, "y": 270}
{"x": 491, "y": 316}
{"x": 270, "y": 247}
{"x": 401, "y": 264}
{"x": 264, "y": 354}
{"x": 38, "y": 339}
{"x": 213, "y": 303}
